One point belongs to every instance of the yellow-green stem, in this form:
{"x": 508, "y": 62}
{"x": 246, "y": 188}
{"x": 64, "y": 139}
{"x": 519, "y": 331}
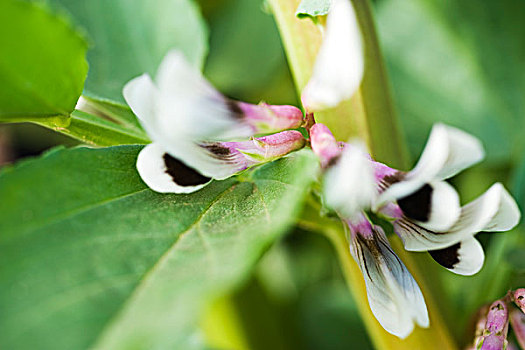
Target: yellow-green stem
{"x": 436, "y": 337}
{"x": 369, "y": 115}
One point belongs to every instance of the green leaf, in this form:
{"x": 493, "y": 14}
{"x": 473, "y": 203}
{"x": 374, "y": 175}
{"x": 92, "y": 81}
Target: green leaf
{"x": 42, "y": 65}
{"x": 313, "y": 8}
{"x": 131, "y": 37}
{"x": 91, "y": 257}
{"x": 102, "y": 123}
{"x": 458, "y": 62}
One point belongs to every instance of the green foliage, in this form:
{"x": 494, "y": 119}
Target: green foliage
{"x": 42, "y": 64}
{"x": 130, "y": 37}
{"x": 519, "y": 182}
{"x": 307, "y": 296}
{"x": 457, "y": 62}
{"x": 92, "y": 256}
{"x": 242, "y": 37}
{"x": 102, "y": 123}
{"x": 313, "y": 8}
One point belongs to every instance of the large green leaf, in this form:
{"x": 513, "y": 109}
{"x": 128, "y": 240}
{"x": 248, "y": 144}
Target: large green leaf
{"x": 91, "y": 257}
{"x": 458, "y": 62}
{"x": 131, "y": 37}
{"x": 42, "y": 64}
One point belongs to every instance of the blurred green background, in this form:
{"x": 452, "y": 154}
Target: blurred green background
{"x": 458, "y": 62}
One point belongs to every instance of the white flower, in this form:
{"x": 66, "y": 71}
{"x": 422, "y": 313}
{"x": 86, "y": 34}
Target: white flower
{"x": 183, "y": 114}
{"x": 456, "y": 248}
{"x": 348, "y": 184}
{"x": 426, "y": 210}
{"x": 339, "y": 65}
{"x": 394, "y": 296}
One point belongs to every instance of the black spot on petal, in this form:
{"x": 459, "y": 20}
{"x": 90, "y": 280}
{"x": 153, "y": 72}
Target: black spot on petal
{"x": 218, "y": 150}
{"x": 394, "y": 178}
{"x": 334, "y": 160}
{"x": 447, "y": 257}
{"x": 417, "y": 205}
{"x": 182, "y": 174}
{"x": 234, "y": 108}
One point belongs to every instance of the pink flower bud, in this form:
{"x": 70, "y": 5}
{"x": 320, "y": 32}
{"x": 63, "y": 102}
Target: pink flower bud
{"x": 496, "y": 328}
{"x": 271, "y": 118}
{"x": 244, "y": 154}
{"x": 324, "y": 144}
{"x": 519, "y": 298}
{"x": 517, "y": 321}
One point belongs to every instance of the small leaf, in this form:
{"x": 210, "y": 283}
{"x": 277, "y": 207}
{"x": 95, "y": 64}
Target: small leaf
{"x": 131, "y": 37}
{"x": 42, "y": 65}
{"x": 92, "y": 258}
{"x": 313, "y": 8}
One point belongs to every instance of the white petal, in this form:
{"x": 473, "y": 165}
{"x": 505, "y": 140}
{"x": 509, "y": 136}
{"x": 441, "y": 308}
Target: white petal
{"x": 349, "y": 185}
{"x": 435, "y": 206}
{"x": 201, "y": 159}
{"x": 464, "y": 258}
{"x": 153, "y": 170}
{"x": 447, "y": 152}
{"x": 140, "y": 94}
{"x": 82, "y": 103}
{"x": 508, "y": 214}
{"x": 464, "y": 150}
{"x": 495, "y": 210}
{"x": 394, "y": 296}
{"x": 445, "y": 209}
{"x": 419, "y": 239}
{"x": 188, "y": 104}
{"x": 339, "y": 65}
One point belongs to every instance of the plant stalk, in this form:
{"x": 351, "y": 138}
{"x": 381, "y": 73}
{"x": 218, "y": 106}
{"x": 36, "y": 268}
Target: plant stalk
{"x": 369, "y": 114}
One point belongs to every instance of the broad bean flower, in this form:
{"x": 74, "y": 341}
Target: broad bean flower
{"x": 191, "y": 125}
{"x": 423, "y": 208}
{"x": 348, "y": 188}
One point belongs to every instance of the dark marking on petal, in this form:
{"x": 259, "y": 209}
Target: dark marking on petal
{"x": 234, "y": 108}
{"x": 392, "y": 179}
{"x": 363, "y": 243}
{"x": 218, "y": 150}
{"x": 333, "y": 161}
{"x": 389, "y": 180}
{"x": 447, "y": 257}
{"x": 418, "y": 204}
{"x": 182, "y": 174}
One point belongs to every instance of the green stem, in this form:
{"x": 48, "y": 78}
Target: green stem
{"x": 369, "y": 115}
{"x": 436, "y": 337}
